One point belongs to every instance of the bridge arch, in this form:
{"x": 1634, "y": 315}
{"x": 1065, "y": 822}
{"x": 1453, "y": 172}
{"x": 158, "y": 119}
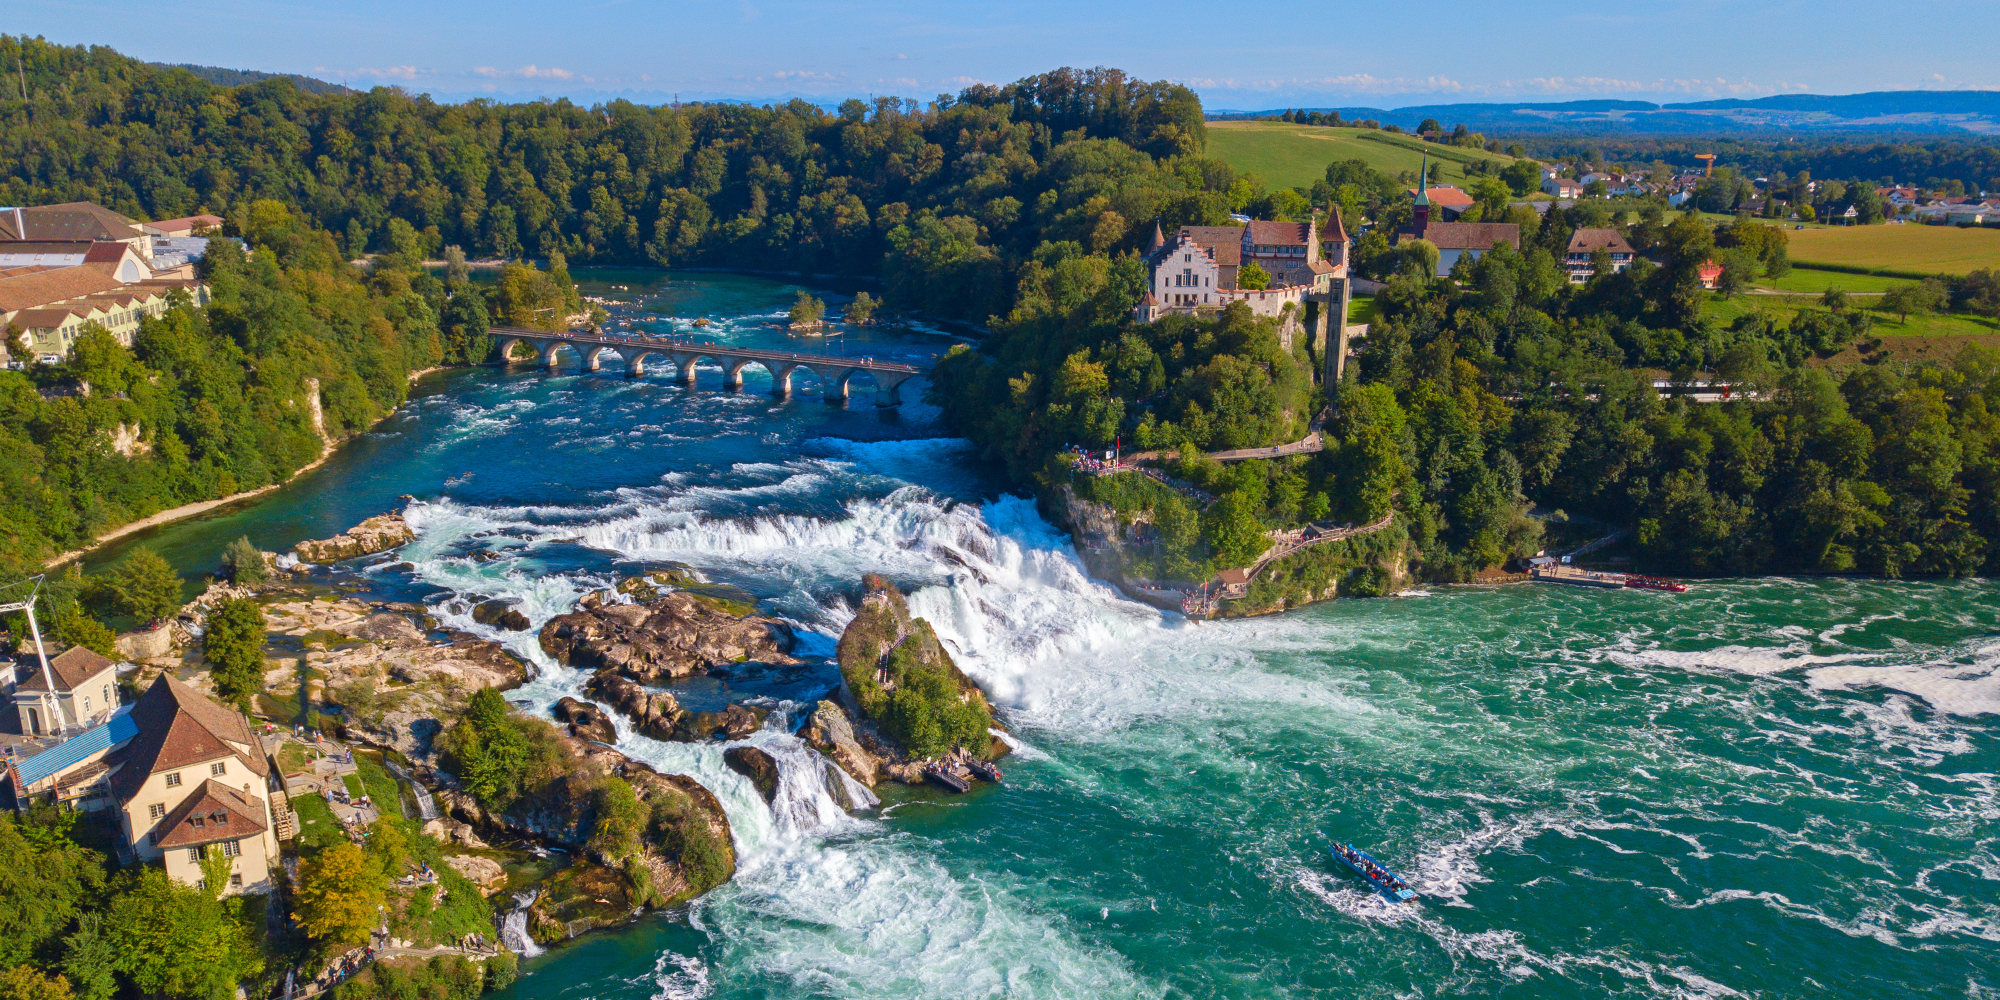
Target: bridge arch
{"x": 552, "y": 349}
{"x": 593, "y": 355}
{"x": 508, "y": 344}
{"x": 732, "y": 372}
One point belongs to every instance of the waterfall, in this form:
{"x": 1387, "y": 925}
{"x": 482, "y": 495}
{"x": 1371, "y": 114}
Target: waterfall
{"x": 810, "y": 799}
{"x": 514, "y": 927}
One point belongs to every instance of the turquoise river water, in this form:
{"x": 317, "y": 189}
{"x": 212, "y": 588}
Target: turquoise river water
{"x": 1760, "y": 788}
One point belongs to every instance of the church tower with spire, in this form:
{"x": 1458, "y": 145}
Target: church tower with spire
{"x": 1421, "y": 220}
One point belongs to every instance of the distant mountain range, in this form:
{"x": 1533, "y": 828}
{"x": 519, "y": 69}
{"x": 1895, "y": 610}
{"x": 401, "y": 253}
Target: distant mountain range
{"x": 225, "y": 77}
{"x": 1961, "y": 113}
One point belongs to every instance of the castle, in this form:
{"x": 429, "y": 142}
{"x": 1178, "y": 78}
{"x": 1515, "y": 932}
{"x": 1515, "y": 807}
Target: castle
{"x": 1201, "y": 268}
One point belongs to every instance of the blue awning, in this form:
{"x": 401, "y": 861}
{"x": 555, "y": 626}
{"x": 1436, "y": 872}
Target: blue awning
{"x": 117, "y": 730}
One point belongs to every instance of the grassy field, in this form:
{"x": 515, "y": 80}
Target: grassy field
{"x": 1887, "y": 325}
{"x": 1806, "y": 280}
{"x": 1287, "y": 155}
{"x": 318, "y": 830}
{"x": 1923, "y": 249}
{"x": 1361, "y": 309}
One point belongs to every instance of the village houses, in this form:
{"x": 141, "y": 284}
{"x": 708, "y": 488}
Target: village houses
{"x": 1584, "y": 245}
{"x": 64, "y": 267}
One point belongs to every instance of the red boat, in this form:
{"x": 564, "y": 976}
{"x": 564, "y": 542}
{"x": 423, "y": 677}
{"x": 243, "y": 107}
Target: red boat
{"x": 1656, "y": 583}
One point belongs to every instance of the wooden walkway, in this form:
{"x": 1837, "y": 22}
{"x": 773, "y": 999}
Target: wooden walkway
{"x": 1313, "y": 443}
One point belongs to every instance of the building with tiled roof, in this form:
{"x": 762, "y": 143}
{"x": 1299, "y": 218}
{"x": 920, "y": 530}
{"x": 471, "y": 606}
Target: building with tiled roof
{"x": 1585, "y": 243}
{"x": 1455, "y": 241}
{"x": 53, "y": 256}
{"x": 183, "y": 227}
{"x": 78, "y": 690}
{"x": 185, "y": 744}
{"x": 72, "y": 220}
{"x": 1447, "y": 202}
{"x": 183, "y": 773}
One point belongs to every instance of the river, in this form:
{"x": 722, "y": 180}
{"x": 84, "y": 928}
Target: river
{"x": 1768, "y": 788}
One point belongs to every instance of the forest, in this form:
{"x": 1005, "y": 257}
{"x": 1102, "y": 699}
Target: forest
{"x": 297, "y": 350}
{"x": 1021, "y": 208}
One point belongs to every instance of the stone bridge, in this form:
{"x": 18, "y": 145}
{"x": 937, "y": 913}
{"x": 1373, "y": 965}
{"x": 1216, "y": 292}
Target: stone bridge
{"x": 835, "y": 372}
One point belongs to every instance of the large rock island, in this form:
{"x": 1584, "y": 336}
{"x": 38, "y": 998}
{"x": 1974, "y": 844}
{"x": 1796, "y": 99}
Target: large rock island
{"x": 913, "y": 707}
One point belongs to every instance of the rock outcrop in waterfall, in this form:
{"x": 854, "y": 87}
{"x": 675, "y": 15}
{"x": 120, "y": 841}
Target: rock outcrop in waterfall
{"x": 914, "y": 706}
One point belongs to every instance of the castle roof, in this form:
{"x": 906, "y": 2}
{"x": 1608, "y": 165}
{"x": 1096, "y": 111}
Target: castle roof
{"x": 1283, "y": 234}
{"x": 1224, "y": 243}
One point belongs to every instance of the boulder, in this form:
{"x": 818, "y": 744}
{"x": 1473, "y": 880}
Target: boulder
{"x": 452, "y": 831}
{"x": 736, "y": 722}
{"x": 485, "y": 873}
{"x": 377, "y": 534}
{"x": 756, "y": 765}
{"x": 586, "y": 721}
{"x": 146, "y": 644}
{"x": 674, "y": 635}
{"x": 653, "y": 713}
{"x": 500, "y": 614}
{"x": 830, "y": 732}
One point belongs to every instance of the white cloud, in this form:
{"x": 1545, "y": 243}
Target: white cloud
{"x": 530, "y": 72}
{"x": 391, "y": 73}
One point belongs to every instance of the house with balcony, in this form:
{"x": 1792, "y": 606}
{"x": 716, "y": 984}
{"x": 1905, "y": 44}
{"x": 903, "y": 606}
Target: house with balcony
{"x": 1584, "y": 245}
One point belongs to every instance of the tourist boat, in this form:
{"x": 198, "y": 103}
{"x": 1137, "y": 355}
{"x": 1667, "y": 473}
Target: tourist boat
{"x": 937, "y": 773}
{"x": 985, "y": 771}
{"x": 1656, "y": 583}
{"x": 1381, "y": 879}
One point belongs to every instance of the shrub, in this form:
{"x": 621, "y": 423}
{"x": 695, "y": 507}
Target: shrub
{"x": 243, "y": 563}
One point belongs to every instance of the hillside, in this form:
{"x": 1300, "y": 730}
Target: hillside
{"x": 222, "y": 76}
{"x": 1287, "y": 155}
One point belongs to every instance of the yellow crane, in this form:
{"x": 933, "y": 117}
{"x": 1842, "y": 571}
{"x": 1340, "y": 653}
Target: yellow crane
{"x": 1709, "y": 158}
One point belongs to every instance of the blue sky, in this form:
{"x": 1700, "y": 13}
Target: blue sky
{"x": 1256, "y": 55}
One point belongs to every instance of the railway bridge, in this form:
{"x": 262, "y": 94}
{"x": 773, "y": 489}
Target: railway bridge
{"x": 835, "y": 372}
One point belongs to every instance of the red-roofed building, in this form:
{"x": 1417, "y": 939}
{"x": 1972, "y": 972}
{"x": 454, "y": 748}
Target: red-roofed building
{"x": 1710, "y": 273}
{"x": 183, "y": 773}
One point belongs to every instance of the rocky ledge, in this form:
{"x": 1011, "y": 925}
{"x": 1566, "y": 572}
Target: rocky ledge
{"x": 663, "y": 634}
{"x": 659, "y": 715}
{"x": 377, "y": 534}
{"x": 685, "y": 850}
{"x": 393, "y": 676}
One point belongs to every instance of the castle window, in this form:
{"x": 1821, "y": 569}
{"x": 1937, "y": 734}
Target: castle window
{"x": 232, "y": 848}
{"x": 194, "y": 855}
{"x": 173, "y": 779}
{"x": 216, "y": 768}
{"x": 157, "y": 812}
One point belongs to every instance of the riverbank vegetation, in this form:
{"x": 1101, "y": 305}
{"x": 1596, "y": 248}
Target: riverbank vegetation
{"x": 296, "y": 351}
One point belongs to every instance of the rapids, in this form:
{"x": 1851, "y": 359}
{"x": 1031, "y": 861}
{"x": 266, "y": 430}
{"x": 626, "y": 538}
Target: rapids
{"x": 1779, "y": 788}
